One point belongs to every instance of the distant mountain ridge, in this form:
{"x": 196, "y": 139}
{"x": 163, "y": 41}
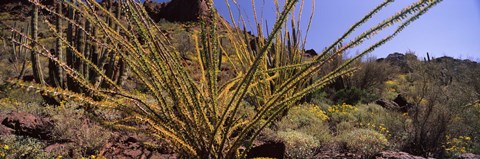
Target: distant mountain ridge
{"x": 401, "y": 60}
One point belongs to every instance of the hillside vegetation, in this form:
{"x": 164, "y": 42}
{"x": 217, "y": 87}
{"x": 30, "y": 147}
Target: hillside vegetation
{"x": 119, "y": 79}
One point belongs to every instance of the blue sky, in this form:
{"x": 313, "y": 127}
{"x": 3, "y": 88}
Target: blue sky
{"x": 451, "y": 28}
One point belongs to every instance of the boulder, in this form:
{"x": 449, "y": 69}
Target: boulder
{"x": 153, "y": 9}
{"x": 268, "y": 150}
{"x": 128, "y": 146}
{"x": 27, "y": 124}
{"x": 398, "y": 104}
{"x": 14, "y": 6}
{"x": 468, "y": 156}
{"x": 400, "y": 100}
{"x": 396, "y": 155}
{"x": 20, "y": 7}
{"x": 177, "y": 10}
{"x": 66, "y": 149}
{"x": 310, "y": 53}
{"x": 400, "y": 60}
{"x": 388, "y": 104}
{"x": 4, "y": 130}
{"x": 403, "y": 103}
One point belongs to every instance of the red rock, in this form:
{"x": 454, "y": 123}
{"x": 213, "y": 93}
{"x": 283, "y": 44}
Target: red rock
{"x": 19, "y": 6}
{"x": 27, "y": 124}
{"x": 128, "y": 146}
{"x": 177, "y": 10}
{"x": 397, "y": 155}
{"x": 5, "y": 130}
{"x": 468, "y": 156}
{"x": 58, "y": 147}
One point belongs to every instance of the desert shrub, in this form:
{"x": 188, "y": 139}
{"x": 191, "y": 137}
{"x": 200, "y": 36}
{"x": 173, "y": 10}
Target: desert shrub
{"x": 309, "y": 119}
{"x": 72, "y": 125}
{"x": 456, "y": 146}
{"x": 394, "y": 125}
{"x": 353, "y": 96}
{"x": 22, "y": 147}
{"x": 17, "y": 105}
{"x": 25, "y": 96}
{"x": 469, "y": 125}
{"x": 342, "y": 113}
{"x": 372, "y": 74}
{"x": 298, "y": 144}
{"x": 345, "y": 126}
{"x": 364, "y": 141}
{"x": 303, "y": 130}
{"x": 367, "y": 84}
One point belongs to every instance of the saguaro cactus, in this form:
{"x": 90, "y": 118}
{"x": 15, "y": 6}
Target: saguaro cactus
{"x": 69, "y": 52}
{"x": 78, "y": 31}
{"x": 21, "y": 51}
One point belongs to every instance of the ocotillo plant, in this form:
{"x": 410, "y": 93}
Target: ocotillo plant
{"x": 201, "y": 118}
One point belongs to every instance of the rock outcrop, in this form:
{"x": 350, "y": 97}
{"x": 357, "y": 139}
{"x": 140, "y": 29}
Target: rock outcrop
{"x": 468, "y": 156}
{"x": 127, "y": 146}
{"x": 20, "y": 7}
{"x": 398, "y": 104}
{"x": 400, "y": 60}
{"x": 397, "y": 155}
{"x": 177, "y": 10}
{"x": 310, "y": 53}
{"x": 27, "y": 124}
{"x": 268, "y": 150}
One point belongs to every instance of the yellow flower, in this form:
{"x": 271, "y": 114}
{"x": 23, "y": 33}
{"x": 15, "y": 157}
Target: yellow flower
{"x": 467, "y": 138}
{"x": 6, "y": 147}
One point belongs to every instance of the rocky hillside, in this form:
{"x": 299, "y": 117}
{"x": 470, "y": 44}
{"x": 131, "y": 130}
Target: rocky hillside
{"x": 177, "y": 10}
{"x": 174, "y": 11}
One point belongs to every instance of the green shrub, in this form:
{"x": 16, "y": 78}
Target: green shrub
{"x": 298, "y": 144}
{"x": 16, "y": 94}
{"x": 394, "y": 125}
{"x": 364, "y": 141}
{"x": 353, "y": 96}
{"x": 302, "y": 130}
{"x": 345, "y": 126}
{"x": 342, "y": 113}
{"x": 371, "y": 76}
{"x": 457, "y": 145}
{"x": 18, "y": 105}
{"x": 308, "y": 119}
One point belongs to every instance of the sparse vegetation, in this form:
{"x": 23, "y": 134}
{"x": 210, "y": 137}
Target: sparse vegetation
{"x": 364, "y": 141}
